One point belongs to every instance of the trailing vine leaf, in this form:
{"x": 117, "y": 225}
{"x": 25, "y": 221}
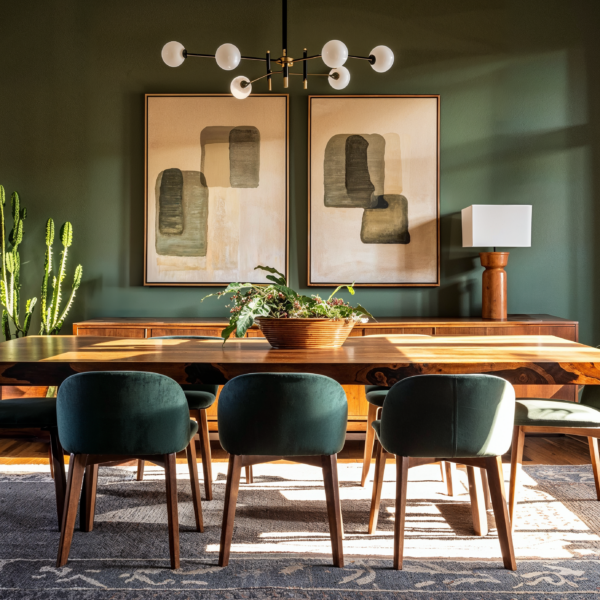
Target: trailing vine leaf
{"x": 282, "y": 279}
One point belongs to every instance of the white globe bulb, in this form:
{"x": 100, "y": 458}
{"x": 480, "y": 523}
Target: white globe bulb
{"x": 334, "y": 54}
{"x": 172, "y": 54}
{"x": 228, "y": 57}
{"x": 238, "y": 91}
{"x": 384, "y": 59}
{"x": 343, "y": 78}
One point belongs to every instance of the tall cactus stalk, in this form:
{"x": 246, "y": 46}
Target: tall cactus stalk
{"x": 52, "y": 317}
{"x": 10, "y": 281}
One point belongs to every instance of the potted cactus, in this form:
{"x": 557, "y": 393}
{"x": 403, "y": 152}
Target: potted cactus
{"x": 52, "y": 317}
{"x": 10, "y": 282}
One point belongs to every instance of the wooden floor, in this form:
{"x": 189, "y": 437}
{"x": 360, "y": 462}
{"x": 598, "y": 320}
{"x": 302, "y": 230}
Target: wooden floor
{"x": 551, "y": 450}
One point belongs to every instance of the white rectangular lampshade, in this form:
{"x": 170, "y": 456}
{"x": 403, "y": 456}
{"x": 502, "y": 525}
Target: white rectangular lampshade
{"x": 497, "y": 225}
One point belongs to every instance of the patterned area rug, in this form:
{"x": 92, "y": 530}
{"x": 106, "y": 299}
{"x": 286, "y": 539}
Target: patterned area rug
{"x": 281, "y": 546}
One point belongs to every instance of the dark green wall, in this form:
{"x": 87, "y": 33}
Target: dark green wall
{"x": 520, "y": 123}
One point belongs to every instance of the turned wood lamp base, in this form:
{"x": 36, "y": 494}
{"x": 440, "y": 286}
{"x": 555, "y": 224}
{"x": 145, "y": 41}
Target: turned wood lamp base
{"x": 494, "y": 299}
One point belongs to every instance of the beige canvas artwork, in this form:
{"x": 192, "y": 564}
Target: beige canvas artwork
{"x": 216, "y": 188}
{"x": 374, "y": 190}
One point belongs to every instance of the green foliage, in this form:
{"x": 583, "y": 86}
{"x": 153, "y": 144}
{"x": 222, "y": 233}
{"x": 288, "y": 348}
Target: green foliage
{"x": 52, "y": 317}
{"x": 10, "y": 277}
{"x": 277, "y": 300}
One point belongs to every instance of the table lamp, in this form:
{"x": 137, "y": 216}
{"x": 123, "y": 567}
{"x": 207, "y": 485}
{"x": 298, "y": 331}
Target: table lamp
{"x": 506, "y": 225}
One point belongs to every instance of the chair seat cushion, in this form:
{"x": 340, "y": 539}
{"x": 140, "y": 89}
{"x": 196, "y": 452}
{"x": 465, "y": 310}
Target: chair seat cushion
{"x": 555, "y": 413}
{"x": 374, "y": 388}
{"x": 199, "y": 400}
{"x": 377, "y": 397}
{"x": 28, "y": 412}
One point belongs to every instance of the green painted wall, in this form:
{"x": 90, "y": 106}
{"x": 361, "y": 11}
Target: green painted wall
{"x": 520, "y": 123}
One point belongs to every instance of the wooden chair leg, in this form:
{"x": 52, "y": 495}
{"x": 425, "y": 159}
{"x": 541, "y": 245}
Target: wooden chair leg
{"x": 76, "y": 470}
{"x": 450, "y": 469}
{"x": 593, "y": 443}
{"x": 377, "y": 485}
{"x": 234, "y": 472}
{"x": 478, "y": 511}
{"x": 50, "y": 461}
{"x": 486, "y": 489}
{"x": 334, "y": 508}
{"x": 195, "y": 483}
{"x": 172, "y": 515}
{"x": 249, "y": 475}
{"x": 140, "y": 470}
{"x": 516, "y": 464}
{"x": 57, "y": 460}
{"x": 496, "y": 482}
{"x": 402, "y": 464}
{"x": 88, "y": 498}
{"x": 369, "y": 443}
{"x": 205, "y": 452}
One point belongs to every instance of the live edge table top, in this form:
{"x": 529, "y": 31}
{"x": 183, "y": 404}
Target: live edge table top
{"x": 383, "y": 360}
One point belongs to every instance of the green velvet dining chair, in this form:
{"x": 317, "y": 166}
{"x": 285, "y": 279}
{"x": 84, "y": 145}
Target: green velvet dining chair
{"x": 297, "y": 416}
{"x": 111, "y": 417}
{"x": 38, "y": 414}
{"x": 375, "y": 396}
{"x": 540, "y": 415}
{"x": 200, "y": 397}
{"x": 464, "y": 419}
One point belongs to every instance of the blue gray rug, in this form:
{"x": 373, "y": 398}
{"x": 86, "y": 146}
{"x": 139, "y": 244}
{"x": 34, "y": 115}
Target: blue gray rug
{"x": 281, "y": 546}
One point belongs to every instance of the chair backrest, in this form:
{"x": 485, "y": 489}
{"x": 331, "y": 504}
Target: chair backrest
{"x": 448, "y": 416}
{"x": 125, "y": 412}
{"x": 193, "y": 387}
{"x": 591, "y": 396}
{"x": 282, "y": 414}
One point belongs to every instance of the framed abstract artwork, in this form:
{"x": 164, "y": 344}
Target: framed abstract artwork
{"x": 216, "y": 188}
{"x": 373, "y": 206}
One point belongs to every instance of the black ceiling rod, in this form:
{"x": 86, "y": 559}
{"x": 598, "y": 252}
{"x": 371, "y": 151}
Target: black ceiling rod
{"x": 286, "y": 70}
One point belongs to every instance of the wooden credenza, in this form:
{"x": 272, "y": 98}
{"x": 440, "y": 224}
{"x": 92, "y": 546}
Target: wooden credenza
{"x": 357, "y": 404}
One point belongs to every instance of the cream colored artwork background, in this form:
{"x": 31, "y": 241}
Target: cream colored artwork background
{"x": 246, "y": 226}
{"x": 409, "y": 126}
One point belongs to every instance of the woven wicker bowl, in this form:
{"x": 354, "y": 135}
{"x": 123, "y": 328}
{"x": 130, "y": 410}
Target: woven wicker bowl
{"x": 292, "y": 334}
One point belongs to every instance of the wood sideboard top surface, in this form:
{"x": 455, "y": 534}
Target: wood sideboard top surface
{"x": 513, "y": 320}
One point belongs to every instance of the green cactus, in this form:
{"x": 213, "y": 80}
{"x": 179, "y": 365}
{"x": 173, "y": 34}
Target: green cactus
{"x": 52, "y": 317}
{"x": 10, "y": 281}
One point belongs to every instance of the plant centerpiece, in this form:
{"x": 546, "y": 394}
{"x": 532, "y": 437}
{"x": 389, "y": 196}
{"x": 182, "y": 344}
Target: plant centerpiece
{"x": 288, "y": 319}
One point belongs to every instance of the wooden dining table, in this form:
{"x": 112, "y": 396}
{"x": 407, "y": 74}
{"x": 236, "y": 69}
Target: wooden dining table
{"x": 378, "y": 359}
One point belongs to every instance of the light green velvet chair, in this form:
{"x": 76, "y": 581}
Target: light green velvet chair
{"x": 111, "y": 417}
{"x": 296, "y": 416}
{"x": 537, "y": 415}
{"x": 38, "y": 413}
{"x": 200, "y": 397}
{"x": 464, "y": 419}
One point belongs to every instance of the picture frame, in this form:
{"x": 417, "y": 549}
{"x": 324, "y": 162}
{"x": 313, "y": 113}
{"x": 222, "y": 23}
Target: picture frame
{"x": 216, "y": 182}
{"x": 362, "y": 149}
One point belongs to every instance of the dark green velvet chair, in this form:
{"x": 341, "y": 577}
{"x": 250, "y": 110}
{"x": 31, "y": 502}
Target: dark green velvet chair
{"x": 539, "y": 415}
{"x": 111, "y": 417}
{"x": 296, "y": 416}
{"x": 376, "y": 395}
{"x": 38, "y": 413}
{"x": 464, "y": 419}
{"x": 199, "y": 398}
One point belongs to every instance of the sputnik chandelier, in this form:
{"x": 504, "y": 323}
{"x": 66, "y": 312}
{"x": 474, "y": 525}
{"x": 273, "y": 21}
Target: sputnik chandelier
{"x": 334, "y": 55}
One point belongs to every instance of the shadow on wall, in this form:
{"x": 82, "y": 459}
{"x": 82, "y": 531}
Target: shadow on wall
{"x": 460, "y": 292}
